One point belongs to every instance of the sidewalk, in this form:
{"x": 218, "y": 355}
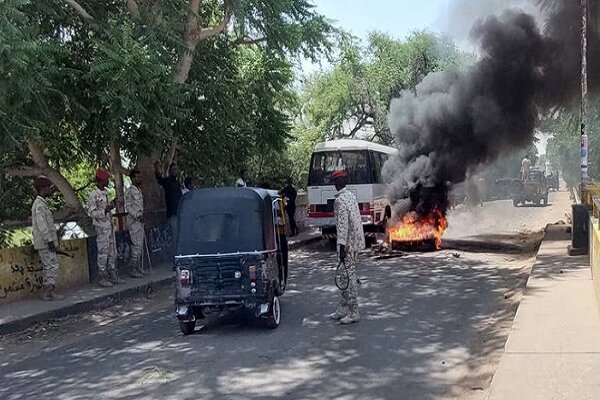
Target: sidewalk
{"x": 553, "y": 350}
{"x": 19, "y": 315}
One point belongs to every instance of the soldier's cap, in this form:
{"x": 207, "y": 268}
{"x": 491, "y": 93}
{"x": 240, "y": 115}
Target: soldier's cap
{"x": 339, "y": 174}
{"x": 42, "y": 182}
{"x": 102, "y": 174}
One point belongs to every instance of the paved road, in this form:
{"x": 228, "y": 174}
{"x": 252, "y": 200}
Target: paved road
{"x": 434, "y": 327}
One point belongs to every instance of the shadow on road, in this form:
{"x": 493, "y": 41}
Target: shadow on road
{"x": 429, "y": 322}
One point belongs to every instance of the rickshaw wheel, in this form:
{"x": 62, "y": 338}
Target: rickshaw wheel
{"x": 187, "y": 327}
{"x": 275, "y": 316}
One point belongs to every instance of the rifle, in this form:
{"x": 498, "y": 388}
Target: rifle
{"x": 64, "y": 253}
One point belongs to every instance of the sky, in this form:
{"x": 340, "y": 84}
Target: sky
{"x": 396, "y": 17}
{"x": 400, "y": 18}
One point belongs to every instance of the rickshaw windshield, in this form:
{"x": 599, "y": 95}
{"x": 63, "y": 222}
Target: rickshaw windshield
{"x": 211, "y": 225}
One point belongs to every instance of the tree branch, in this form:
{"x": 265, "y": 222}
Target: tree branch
{"x": 133, "y": 8}
{"x": 249, "y": 41}
{"x": 205, "y": 33}
{"x": 37, "y": 154}
{"x": 83, "y": 14}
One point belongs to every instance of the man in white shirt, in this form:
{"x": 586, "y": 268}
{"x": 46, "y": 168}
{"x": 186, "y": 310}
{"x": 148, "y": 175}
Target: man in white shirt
{"x": 242, "y": 181}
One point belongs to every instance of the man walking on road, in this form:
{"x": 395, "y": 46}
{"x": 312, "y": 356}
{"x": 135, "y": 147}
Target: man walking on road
{"x": 45, "y": 239}
{"x": 350, "y": 240}
{"x": 99, "y": 209}
{"x": 134, "y": 205}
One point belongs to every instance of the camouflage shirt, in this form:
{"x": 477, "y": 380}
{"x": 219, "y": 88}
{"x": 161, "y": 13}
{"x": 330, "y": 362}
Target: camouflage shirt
{"x": 134, "y": 203}
{"x": 96, "y": 208}
{"x": 348, "y": 222}
{"x": 42, "y": 223}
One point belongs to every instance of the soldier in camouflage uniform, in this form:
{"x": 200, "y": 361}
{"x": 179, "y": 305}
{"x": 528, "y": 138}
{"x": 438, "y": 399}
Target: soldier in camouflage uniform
{"x": 350, "y": 240}
{"x": 99, "y": 209}
{"x": 134, "y": 205}
{"x": 45, "y": 239}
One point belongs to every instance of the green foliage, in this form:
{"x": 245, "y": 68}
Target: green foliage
{"x": 564, "y": 147}
{"x": 238, "y": 113}
{"x": 77, "y": 87}
{"x": 355, "y": 94}
{"x": 353, "y": 97}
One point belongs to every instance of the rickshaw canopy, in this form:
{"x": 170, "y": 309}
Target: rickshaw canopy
{"x": 226, "y": 220}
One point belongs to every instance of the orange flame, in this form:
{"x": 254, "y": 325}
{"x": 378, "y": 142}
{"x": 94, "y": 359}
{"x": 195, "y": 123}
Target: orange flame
{"x": 413, "y": 227}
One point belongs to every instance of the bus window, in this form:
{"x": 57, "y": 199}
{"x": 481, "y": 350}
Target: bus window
{"x": 377, "y": 162}
{"x": 323, "y": 164}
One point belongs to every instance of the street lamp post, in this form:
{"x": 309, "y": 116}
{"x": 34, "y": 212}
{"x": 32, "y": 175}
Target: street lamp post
{"x": 584, "y": 99}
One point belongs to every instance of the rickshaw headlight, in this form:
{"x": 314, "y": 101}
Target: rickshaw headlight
{"x": 185, "y": 276}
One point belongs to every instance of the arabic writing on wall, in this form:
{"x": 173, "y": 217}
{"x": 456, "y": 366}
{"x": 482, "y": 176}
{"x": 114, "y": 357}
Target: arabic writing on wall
{"x": 21, "y": 270}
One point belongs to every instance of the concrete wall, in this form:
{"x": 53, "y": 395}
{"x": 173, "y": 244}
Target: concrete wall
{"x": 20, "y": 270}
{"x": 595, "y": 254}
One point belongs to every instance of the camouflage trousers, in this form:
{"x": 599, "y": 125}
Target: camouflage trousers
{"x": 105, "y": 240}
{"x": 136, "y": 234}
{"x": 348, "y": 302}
{"x": 49, "y": 265}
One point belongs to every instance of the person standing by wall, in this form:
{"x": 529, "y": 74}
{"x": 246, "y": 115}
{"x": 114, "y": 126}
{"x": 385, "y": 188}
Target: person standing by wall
{"x": 350, "y": 240}
{"x": 290, "y": 193}
{"x": 100, "y": 210}
{"x": 172, "y": 193}
{"x": 134, "y": 206}
{"x": 45, "y": 239}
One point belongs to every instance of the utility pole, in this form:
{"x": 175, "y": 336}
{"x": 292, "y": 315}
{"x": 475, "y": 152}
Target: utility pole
{"x": 584, "y": 100}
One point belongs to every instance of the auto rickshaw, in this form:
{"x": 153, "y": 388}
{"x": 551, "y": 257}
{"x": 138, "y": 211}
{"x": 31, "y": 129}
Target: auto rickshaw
{"x": 231, "y": 254}
{"x": 533, "y": 189}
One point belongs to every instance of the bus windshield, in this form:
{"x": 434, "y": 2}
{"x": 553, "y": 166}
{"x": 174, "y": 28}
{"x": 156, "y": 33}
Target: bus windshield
{"x": 323, "y": 164}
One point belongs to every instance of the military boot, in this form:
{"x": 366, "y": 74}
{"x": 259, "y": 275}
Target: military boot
{"x": 54, "y": 295}
{"x": 104, "y": 282}
{"x": 45, "y": 293}
{"x": 338, "y": 314}
{"x": 113, "y": 277}
{"x": 351, "y": 318}
{"x": 134, "y": 271}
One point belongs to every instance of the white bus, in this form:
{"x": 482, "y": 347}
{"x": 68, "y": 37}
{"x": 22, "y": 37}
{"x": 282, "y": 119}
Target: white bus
{"x": 363, "y": 161}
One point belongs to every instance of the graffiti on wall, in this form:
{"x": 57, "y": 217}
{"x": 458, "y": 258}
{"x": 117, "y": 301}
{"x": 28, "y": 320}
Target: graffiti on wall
{"x": 159, "y": 238}
{"x": 23, "y": 277}
{"x": 21, "y": 270}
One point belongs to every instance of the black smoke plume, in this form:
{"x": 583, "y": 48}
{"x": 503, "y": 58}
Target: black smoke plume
{"x": 457, "y": 120}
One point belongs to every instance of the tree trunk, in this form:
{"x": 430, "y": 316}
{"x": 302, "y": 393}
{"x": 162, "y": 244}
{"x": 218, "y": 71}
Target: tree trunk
{"x": 41, "y": 167}
{"x": 154, "y": 196}
{"x": 116, "y": 165}
{"x": 193, "y": 34}
{"x": 55, "y": 176}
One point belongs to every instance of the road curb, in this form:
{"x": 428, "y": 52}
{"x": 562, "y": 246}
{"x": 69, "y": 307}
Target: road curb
{"x": 96, "y": 303}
